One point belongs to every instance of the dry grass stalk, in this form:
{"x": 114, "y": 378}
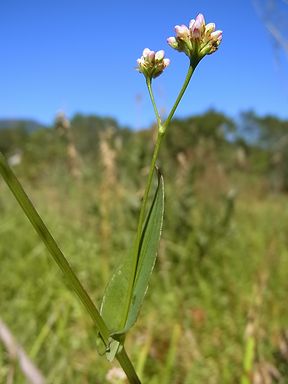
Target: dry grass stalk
{"x": 63, "y": 126}
{"x": 108, "y": 193}
{"x": 16, "y": 353}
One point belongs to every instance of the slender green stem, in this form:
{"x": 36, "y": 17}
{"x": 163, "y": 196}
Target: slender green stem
{"x": 192, "y": 66}
{"x": 145, "y": 196}
{"x": 148, "y": 186}
{"x": 35, "y": 219}
{"x": 151, "y": 94}
{"x": 127, "y": 366}
{"x": 161, "y": 131}
{"x": 160, "y": 134}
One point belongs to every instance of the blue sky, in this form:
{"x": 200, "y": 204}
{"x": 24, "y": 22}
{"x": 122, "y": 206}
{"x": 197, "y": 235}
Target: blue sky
{"x": 79, "y": 56}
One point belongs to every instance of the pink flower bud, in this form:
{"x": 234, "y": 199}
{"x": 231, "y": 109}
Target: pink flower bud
{"x": 172, "y": 42}
{"x": 159, "y": 55}
{"x": 198, "y": 26}
{"x": 209, "y": 28}
{"x": 200, "y": 20}
{"x": 192, "y": 22}
{"x": 217, "y": 35}
{"x": 166, "y": 62}
{"x": 146, "y": 52}
{"x": 151, "y": 56}
{"x": 182, "y": 32}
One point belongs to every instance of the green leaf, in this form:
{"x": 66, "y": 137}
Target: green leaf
{"x": 121, "y": 304}
{"x": 147, "y": 253}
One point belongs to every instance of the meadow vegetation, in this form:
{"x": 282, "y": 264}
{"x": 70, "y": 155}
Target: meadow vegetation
{"x": 216, "y": 310}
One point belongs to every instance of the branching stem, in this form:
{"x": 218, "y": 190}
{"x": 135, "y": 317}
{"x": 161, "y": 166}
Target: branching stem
{"x": 38, "y": 224}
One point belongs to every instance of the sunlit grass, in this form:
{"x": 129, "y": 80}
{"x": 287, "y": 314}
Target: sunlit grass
{"x": 209, "y": 301}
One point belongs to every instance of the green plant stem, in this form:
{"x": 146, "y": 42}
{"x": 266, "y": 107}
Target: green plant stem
{"x": 145, "y": 196}
{"x": 153, "y": 161}
{"x": 160, "y": 134}
{"x": 149, "y": 86}
{"x": 127, "y": 367}
{"x": 35, "y": 219}
{"x": 191, "y": 69}
{"x": 148, "y": 186}
{"x": 161, "y": 131}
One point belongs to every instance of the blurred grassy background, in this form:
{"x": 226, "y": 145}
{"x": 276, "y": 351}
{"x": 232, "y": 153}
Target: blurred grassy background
{"x": 221, "y": 274}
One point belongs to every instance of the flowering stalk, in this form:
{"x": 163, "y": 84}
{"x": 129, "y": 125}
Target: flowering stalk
{"x": 196, "y": 41}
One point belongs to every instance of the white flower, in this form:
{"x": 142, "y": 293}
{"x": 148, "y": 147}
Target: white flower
{"x": 152, "y": 63}
{"x": 198, "y": 40}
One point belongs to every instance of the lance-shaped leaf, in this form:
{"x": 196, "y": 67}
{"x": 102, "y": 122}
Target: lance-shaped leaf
{"x": 126, "y": 290}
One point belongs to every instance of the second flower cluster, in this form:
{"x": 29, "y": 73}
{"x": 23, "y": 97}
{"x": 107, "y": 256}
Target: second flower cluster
{"x": 196, "y": 41}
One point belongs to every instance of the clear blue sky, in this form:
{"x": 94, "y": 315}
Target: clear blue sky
{"x": 79, "y": 56}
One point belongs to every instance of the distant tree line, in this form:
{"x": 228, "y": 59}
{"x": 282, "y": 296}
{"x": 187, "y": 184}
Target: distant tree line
{"x": 251, "y": 142}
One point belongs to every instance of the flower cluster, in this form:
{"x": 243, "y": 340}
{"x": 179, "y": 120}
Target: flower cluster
{"x": 151, "y": 63}
{"x": 197, "y": 40}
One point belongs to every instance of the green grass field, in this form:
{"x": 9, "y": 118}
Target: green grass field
{"x": 209, "y": 288}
